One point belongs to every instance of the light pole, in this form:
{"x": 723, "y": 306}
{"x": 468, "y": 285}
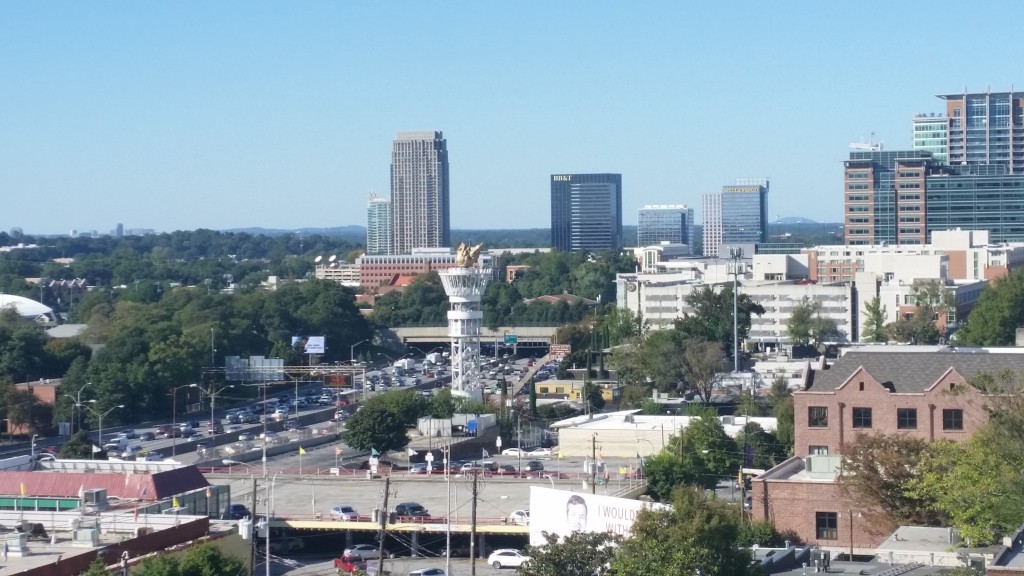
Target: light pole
{"x": 99, "y": 416}
{"x": 77, "y": 407}
{"x": 213, "y": 393}
{"x": 174, "y": 416}
{"x": 33, "y": 448}
{"x": 735, "y": 254}
{"x": 352, "y": 350}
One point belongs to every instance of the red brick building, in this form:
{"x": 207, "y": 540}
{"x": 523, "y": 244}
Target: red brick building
{"x": 922, "y": 393}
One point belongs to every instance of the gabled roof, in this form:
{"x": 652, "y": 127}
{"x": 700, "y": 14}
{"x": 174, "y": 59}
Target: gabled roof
{"x": 915, "y": 371}
{"x": 146, "y": 487}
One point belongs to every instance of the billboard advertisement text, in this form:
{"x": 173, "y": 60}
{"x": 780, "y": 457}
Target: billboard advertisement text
{"x": 563, "y": 512}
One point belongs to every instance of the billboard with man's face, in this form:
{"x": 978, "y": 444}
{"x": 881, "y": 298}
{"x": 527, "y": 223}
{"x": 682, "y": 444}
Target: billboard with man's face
{"x": 563, "y": 512}
{"x": 309, "y": 344}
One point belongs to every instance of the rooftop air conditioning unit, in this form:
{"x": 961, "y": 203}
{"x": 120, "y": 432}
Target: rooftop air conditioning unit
{"x": 95, "y": 498}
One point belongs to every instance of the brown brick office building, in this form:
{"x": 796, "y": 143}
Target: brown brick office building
{"x": 921, "y": 393}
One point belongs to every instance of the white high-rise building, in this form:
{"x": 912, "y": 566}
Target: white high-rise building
{"x": 712, "y": 204}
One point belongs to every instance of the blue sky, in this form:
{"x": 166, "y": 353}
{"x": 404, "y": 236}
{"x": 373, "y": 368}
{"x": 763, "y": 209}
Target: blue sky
{"x": 183, "y": 115}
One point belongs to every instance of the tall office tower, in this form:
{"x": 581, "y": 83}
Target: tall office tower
{"x": 745, "y": 211}
{"x": 712, "y": 204}
{"x": 378, "y": 225}
{"x": 884, "y": 198}
{"x": 586, "y": 211}
{"x": 419, "y": 192}
{"x": 665, "y": 223}
{"x": 119, "y": 231}
{"x": 978, "y": 128}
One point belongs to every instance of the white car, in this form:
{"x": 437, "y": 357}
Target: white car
{"x": 347, "y": 513}
{"x": 540, "y": 452}
{"x": 366, "y": 551}
{"x": 513, "y": 452}
{"x": 507, "y": 558}
{"x": 520, "y": 517}
{"x": 427, "y": 572}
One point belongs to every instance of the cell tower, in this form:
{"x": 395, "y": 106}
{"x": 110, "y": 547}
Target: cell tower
{"x": 464, "y": 285}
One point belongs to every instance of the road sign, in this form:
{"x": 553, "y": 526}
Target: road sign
{"x": 560, "y": 349}
{"x": 511, "y": 339}
{"x": 498, "y": 442}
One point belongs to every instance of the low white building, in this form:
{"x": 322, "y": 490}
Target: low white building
{"x": 628, "y": 433}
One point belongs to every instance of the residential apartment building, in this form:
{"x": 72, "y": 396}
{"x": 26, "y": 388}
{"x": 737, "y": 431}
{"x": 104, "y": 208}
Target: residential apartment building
{"x": 378, "y": 225}
{"x": 923, "y": 392}
{"x": 712, "y": 231}
{"x": 419, "y": 192}
{"x": 664, "y": 223}
{"x": 586, "y": 212}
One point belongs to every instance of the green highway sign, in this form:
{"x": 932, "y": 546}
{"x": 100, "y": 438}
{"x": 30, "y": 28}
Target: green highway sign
{"x": 511, "y": 339}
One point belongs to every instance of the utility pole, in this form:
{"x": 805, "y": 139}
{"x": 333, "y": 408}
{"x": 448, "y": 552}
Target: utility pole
{"x": 593, "y": 464}
{"x": 254, "y": 531}
{"x": 472, "y": 526}
{"x": 383, "y": 525}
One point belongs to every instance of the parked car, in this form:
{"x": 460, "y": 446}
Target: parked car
{"x": 344, "y": 512}
{"x": 533, "y": 466}
{"x": 427, "y": 572}
{"x": 513, "y": 452}
{"x": 146, "y": 436}
{"x": 411, "y": 509}
{"x": 507, "y": 558}
{"x": 520, "y": 517}
{"x": 368, "y": 551}
{"x": 540, "y": 452}
{"x": 418, "y": 468}
{"x": 236, "y": 512}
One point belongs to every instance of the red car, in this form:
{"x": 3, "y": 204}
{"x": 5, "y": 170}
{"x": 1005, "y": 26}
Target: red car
{"x": 349, "y": 564}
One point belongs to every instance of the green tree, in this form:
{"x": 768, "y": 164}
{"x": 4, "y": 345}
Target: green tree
{"x": 878, "y": 471}
{"x": 785, "y": 427}
{"x": 79, "y": 446}
{"x": 764, "y": 447}
{"x": 695, "y": 536}
{"x": 664, "y": 360}
{"x": 932, "y": 300}
{"x": 806, "y": 325}
{"x": 664, "y": 472}
{"x": 628, "y": 362}
{"x": 706, "y": 451}
{"x": 97, "y": 568}
{"x": 874, "y": 321}
{"x": 376, "y": 427}
{"x": 202, "y": 560}
{"x": 702, "y": 362}
{"x": 578, "y": 554}
{"x": 712, "y": 317}
{"x": 997, "y": 314}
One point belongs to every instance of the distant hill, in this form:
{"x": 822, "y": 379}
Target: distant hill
{"x": 338, "y": 231}
{"x": 795, "y": 220}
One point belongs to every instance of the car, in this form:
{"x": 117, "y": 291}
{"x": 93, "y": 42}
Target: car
{"x": 520, "y": 517}
{"x": 418, "y": 468}
{"x": 233, "y": 428}
{"x": 251, "y": 419}
{"x": 281, "y": 412}
{"x": 506, "y": 470}
{"x": 350, "y": 564}
{"x": 513, "y": 452}
{"x": 246, "y": 436}
{"x": 325, "y": 400}
{"x": 540, "y": 452}
{"x": 427, "y": 572}
{"x": 368, "y": 551}
{"x": 233, "y": 418}
{"x": 154, "y": 457}
{"x": 507, "y": 558}
{"x": 292, "y": 426}
{"x": 341, "y": 415}
{"x": 127, "y": 433}
{"x": 533, "y": 466}
{"x": 344, "y": 512}
{"x": 236, "y": 512}
{"x": 217, "y": 428}
{"x": 411, "y": 509}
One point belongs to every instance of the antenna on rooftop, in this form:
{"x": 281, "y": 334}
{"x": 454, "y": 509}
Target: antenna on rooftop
{"x": 869, "y": 146}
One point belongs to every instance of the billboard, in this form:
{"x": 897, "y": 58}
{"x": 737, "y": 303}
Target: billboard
{"x": 560, "y": 349}
{"x": 309, "y": 344}
{"x": 563, "y": 512}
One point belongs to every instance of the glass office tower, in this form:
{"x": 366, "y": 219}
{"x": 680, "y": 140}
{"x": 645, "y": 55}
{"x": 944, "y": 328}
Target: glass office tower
{"x": 586, "y": 212}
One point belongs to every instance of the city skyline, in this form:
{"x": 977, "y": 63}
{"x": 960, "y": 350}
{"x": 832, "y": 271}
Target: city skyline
{"x": 229, "y": 116}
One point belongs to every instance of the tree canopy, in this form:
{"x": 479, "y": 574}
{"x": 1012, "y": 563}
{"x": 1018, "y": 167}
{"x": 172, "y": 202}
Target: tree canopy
{"x": 997, "y": 315}
{"x": 712, "y": 317}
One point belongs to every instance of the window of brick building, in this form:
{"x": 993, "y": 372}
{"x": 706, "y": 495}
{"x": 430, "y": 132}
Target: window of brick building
{"x": 817, "y": 450}
{"x": 906, "y": 418}
{"x": 862, "y": 417}
{"x": 817, "y": 416}
{"x": 952, "y": 419}
{"x": 827, "y": 525}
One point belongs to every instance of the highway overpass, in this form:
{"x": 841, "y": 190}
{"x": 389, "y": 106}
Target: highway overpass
{"x": 528, "y": 335}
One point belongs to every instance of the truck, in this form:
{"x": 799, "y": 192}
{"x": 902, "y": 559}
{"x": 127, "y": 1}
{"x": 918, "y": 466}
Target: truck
{"x": 435, "y": 358}
{"x": 406, "y": 364}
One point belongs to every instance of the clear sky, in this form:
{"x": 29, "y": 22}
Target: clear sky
{"x": 183, "y": 115}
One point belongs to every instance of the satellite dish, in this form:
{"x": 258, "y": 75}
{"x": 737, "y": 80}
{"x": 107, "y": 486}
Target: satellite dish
{"x": 332, "y": 258}
{"x": 318, "y": 259}
{"x": 334, "y": 264}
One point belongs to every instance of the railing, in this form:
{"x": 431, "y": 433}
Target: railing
{"x": 610, "y": 479}
{"x": 426, "y": 520}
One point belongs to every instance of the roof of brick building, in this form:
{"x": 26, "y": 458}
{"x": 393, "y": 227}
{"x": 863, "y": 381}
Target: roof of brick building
{"x": 917, "y": 371}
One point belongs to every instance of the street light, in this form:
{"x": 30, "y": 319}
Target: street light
{"x": 174, "y": 416}
{"x": 77, "y": 407}
{"x": 213, "y": 393}
{"x": 352, "y": 350}
{"x": 33, "y": 448}
{"x": 99, "y": 416}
